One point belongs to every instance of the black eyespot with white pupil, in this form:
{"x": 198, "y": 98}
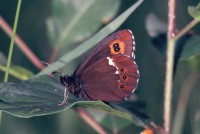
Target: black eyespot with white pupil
{"x": 122, "y": 86}
{"x": 124, "y": 77}
{"x": 116, "y": 47}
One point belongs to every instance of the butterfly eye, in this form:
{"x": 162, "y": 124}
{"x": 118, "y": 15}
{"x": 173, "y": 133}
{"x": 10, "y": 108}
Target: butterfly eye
{"x": 122, "y": 86}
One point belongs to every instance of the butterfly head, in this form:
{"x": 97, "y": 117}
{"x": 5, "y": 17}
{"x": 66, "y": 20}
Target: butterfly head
{"x": 64, "y": 79}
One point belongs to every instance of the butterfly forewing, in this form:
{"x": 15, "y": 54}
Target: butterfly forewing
{"x": 125, "y": 41}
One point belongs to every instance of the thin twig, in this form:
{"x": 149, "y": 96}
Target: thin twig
{"x": 12, "y": 41}
{"x": 13, "y": 35}
{"x": 171, "y": 19}
{"x": 21, "y": 44}
{"x": 186, "y": 29}
{"x": 38, "y": 63}
{"x": 169, "y": 66}
{"x": 90, "y": 121}
{"x": 53, "y": 55}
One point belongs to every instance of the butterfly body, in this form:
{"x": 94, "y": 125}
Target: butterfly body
{"x": 109, "y": 73}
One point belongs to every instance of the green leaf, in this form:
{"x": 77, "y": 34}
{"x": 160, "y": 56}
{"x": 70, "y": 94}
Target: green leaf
{"x": 191, "y": 48}
{"x": 74, "y": 20}
{"x": 139, "y": 118}
{"x": 23, "y": 73}
{"x": 41, "y": 96}
{"x": 109, "y": 121}
{"x": 18, "y": 72}
{"x": 191, "y": 53}
{"x": 130, "y": 107}
{"x": 194, "y": 11}
{"x": 85, "y": 46}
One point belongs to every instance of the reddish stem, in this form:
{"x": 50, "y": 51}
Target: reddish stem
{"x": 21, "y": 44}
{"x": 172, "y": 19}
{"x": 169, "y": 66}
{"x": 91, "y": 121}
{"x": 186, "y": 28}
{"x": 54, "y": 55}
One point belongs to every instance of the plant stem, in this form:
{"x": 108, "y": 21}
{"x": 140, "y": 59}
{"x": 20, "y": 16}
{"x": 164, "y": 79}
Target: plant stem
{"x": 186, "y": 29}
{"x": 12, "y": 41}
{"x": 53, "y": 55}
{"x": 171, "y": 19}
{"x": 168, "y": 85}
{"x": 169, "y": 66}
{"x": 91, "y": 121}
{"x": 21, "y": 44}
{"x": 11, "y": 47}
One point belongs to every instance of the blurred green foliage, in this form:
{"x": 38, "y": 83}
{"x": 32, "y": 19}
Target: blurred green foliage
{"x": 33, "y": 30}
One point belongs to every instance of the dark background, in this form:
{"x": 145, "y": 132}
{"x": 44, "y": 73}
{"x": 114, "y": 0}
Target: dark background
{"x": 32, "y": 29}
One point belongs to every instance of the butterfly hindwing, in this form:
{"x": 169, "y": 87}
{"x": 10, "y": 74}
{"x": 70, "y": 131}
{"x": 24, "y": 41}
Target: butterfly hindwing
{"x": 110, "y": 79}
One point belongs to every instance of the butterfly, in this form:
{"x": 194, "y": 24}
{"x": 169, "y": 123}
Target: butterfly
{"x": 109, "y": 73}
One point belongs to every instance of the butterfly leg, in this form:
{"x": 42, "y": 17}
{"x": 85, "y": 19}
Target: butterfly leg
{"x": 65, "y": 97}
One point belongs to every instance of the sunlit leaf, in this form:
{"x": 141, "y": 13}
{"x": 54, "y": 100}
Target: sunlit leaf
{"x": 18, "y": 72}
{"x": 42, "y": 96}
{"x": 85, "y": 46}
{"x": 194, "y": 11}
{"x": 74, "y": 20}
{"x": 191, "y": 48}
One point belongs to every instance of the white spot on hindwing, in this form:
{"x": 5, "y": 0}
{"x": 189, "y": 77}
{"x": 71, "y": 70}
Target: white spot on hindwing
{"x": 111, "y": 63}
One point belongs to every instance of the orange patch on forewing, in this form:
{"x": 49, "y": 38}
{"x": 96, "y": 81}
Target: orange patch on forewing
{"x": 121, "y": 46}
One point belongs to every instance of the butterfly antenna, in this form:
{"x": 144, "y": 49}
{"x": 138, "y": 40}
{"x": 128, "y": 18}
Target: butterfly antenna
{"x": 57, "y": 70}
